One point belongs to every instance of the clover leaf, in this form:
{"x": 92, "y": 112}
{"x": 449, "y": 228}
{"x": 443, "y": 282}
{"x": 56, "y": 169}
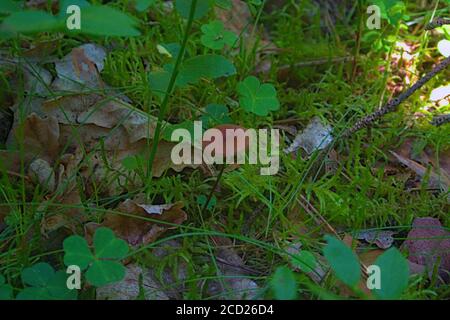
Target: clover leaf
{"x": 256, "y": 98}
{"x": 103, "y": 266}
{"x": 5, "y": 289}
{"x": 215, "y": 114}
{"x": 45, "y": 284}
{"x": 216, "y": 37}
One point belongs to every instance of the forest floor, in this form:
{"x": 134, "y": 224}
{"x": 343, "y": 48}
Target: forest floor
{"x": 85, "y": 125}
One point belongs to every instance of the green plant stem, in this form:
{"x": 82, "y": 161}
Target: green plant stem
{"x": 164, "y": 104}
{"x": 219, "y": 176}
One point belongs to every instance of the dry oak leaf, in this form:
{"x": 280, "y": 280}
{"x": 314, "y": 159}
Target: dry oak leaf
{"x": 80, "y": 69}
{"x": 437, "y": 181}
{"x": 137, "y": 231}
{"x": 40, "y": 137}
{"x": 235, "y": 285}
{"x": 129, "y": 287}
{"x": 68, "y": 214}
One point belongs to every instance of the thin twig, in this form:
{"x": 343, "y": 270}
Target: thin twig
{"x": 216, "y": 183}
{"x": 436, "y": 23}
{"x": 440, "y": 120}
{"x": 394, "y": 103}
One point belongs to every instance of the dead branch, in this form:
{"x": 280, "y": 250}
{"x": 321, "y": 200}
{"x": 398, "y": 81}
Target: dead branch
{"x": 392, "y": 105}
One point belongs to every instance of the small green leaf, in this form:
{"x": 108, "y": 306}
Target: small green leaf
{"x": 256, "y": 98}
{"x": 283, "y": 284}
{"x": 107, "y": 246}
{"x": 394, "y": 274}
{"x": 46, "y": 284}
{"x": 103, "y": 272}
{"x": 143, "y": 5}
{"x": 33, "y": 293}
{"x": 342, "y": 260}
{"x": 38, "y": 275}
{"x": 31, "y": 22}
{"x": 392, "y": 10}
{"x": 184, "y": 6}
{"x": 57, "y": 287}
{"x": 107, "y": 21}
{"x": 216, "y": 37}
{"x": 215, "y": 114}
{"x": 130, "y": 163}
{"x": 201, "y": 200}
{"x": 305, "y": 261}
{"x": 169, "y": 49}
{"x": 6, "y": 290}
{"x": 188, "y": 125}
{"x": 66, "y": 3}
{"x": 158, "y": 82}
{"x": 10, "y": 6}
{"x": 77, "y": 252}
{"x": 224, "y": 4}
{"x": 255, "y": 2}
{"x": 209, "y": 66}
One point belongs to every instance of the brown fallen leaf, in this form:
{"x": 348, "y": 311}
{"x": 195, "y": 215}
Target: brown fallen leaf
{"x": 137, "y": 231}
{"x": 382, "y": 238}
{"x": 236, "y": 19}
{"x": 43, "y": 174}
{"x": 236, "y": 284}
{"x": 68, "y": 214}
{"x": 436, "y": 181}
{"x": 79, "y": 70}
{"x": 10, "y": 162}
{"x": 40, "y": 137}
{"x": 428, "y": 244}
{"x": 4, "y": 211}
{"x": 129, "y": 288}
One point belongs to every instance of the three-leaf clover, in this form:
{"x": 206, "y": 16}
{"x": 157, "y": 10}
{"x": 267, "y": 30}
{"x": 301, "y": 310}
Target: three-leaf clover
{"x": 45, "y": 284}
{"x": 256, "y": 97}
{"x": 103, "y": 266}
{"x": 5, "y": 289}
{"x": 216, "y": 37}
